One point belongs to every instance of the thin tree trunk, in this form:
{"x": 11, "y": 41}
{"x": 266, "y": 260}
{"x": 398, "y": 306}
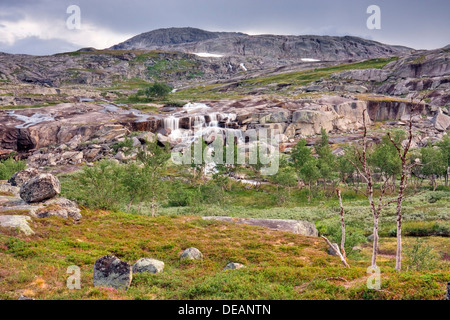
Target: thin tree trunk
{"x": 375, "y": 241}
{"x": 336, "y": 249}
{"x": 309, "y": 195}
{"x": 342, "y": 224}
{"x": 398, "y": 256}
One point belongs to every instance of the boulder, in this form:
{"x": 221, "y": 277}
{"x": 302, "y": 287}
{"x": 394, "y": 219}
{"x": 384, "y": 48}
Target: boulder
{"x": 91, "y": 153}
{"x": 110, "y": 271}
{"x": 310, "y": 122}
{"x": 16, "y": 222}
{"x": 75, "y": 142}
{"x": 60, "y": 207}
{"x": 19, "y": 178}
{"x": 296, "y": 226}
{"x": 191, "y": 254}
{"x": 121, "y": 156}
{"x": 42, "y": 187}
{"x": 148, "y": 265}
{"x": 146, "y": 136}
{"x": 8, "y": 190}
{"x": 233, "y": 265}
{"x": 441, "y": 121}
{"x": 333, "y": 251}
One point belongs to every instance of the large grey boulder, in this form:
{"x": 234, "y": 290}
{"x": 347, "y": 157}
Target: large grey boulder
{"x": 148, "y": 265}
{"x": 19, "y": 178}
{"x": 42, "y": 187}
{"x": 296, "y": 226}
{"x": 17, "y": 222}
{"x": 110, "y": 271}
{"x": 191, "y": 254}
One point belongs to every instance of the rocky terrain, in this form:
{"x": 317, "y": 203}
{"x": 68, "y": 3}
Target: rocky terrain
{"x": 267, "y": 47}
{"x": 61, "y": 115}
{"x": 75, "y": 121}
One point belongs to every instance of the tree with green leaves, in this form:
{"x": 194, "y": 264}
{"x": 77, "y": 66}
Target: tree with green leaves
{"x": 433, "y": 163}
{"x": 198, "y": 162}
{"x": 345, "y": 168}
{"x": 285, "y": 177}
{"x": 309, "y": 173}
{"x": 300, "y": 154}
{"x": 326, "y": 159}
{"x": 444, "y": 145}
{"x": 157, "y": 90}
{"x": 154, "y": 160}
{"x": 384, "y": 158}
{"x": 402, "y": 154}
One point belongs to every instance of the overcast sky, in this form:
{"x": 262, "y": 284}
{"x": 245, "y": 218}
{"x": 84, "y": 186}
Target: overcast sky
{"x": 39, "y": 26}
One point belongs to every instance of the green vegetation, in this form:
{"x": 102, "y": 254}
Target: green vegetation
{"x": 163, "y": 69}
{"x": 156, "y": 90}
{"x": 9, "y": 167}
{"x": 279, "y": 265}
{"x": 292, "y": 80}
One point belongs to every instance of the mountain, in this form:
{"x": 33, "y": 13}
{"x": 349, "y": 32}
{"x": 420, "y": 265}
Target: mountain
{"x": 292, "y": 48}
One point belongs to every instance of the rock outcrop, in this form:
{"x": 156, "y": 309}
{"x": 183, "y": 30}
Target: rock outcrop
{"x": 19, "y": 178}
{"x": 60, "y": 207}
{"x": 441, "y": 121}
{"x": 148, "y": 265}
{"x": 296, "y": 226}
{"x": 272, "y": 47}
{"x": 112, "y": 272}
{"x": 233, "y": 266}
{"x": 40, "y": 188}
{"x": 191, "y": 254}
{"x": 17, "y": 222}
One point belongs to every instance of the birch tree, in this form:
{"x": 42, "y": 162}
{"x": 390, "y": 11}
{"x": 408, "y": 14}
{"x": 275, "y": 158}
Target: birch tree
{"x": 365, "y": 172}
{"x": 402, "y": 152}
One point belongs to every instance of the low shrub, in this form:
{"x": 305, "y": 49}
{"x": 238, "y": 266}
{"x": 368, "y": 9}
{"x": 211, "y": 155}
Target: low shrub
{"x": 423, "y": 229}
{"x": 420, "y": 256}
{"x": 9, "y": 167}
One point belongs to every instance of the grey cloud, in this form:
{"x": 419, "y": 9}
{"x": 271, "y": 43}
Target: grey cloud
{"x": 413, "y": 23}
{"x": 36, "y": 46}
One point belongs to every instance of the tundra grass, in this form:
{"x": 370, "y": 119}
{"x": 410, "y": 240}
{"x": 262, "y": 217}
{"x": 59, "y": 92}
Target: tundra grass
{"x": 279, "y": 265}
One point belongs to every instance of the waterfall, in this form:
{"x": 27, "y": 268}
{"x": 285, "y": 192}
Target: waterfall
{"x": 213, "y": 120}
{"x": 197, "y": 121}
{"x": 199, "y": 127}
{"x": 172, "y": 123}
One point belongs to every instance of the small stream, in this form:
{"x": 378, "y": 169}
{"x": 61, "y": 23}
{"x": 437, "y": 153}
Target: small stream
{"x": 30, "y": 121}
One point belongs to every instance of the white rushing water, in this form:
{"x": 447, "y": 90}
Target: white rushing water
{"x": 198, "y": 114}
{"x": 31, "y": 121}
{"x": 110, "y": 108}
{"x": 198, "y": 121}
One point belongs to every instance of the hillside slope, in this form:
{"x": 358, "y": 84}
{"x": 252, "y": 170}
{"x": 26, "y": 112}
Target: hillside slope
{"x": 268, "y": 46}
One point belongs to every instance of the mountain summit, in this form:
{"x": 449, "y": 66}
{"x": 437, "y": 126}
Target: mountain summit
{"x": 281, "y": 47}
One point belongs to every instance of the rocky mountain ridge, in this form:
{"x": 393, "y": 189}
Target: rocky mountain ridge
{"x": 281, "y": 47}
